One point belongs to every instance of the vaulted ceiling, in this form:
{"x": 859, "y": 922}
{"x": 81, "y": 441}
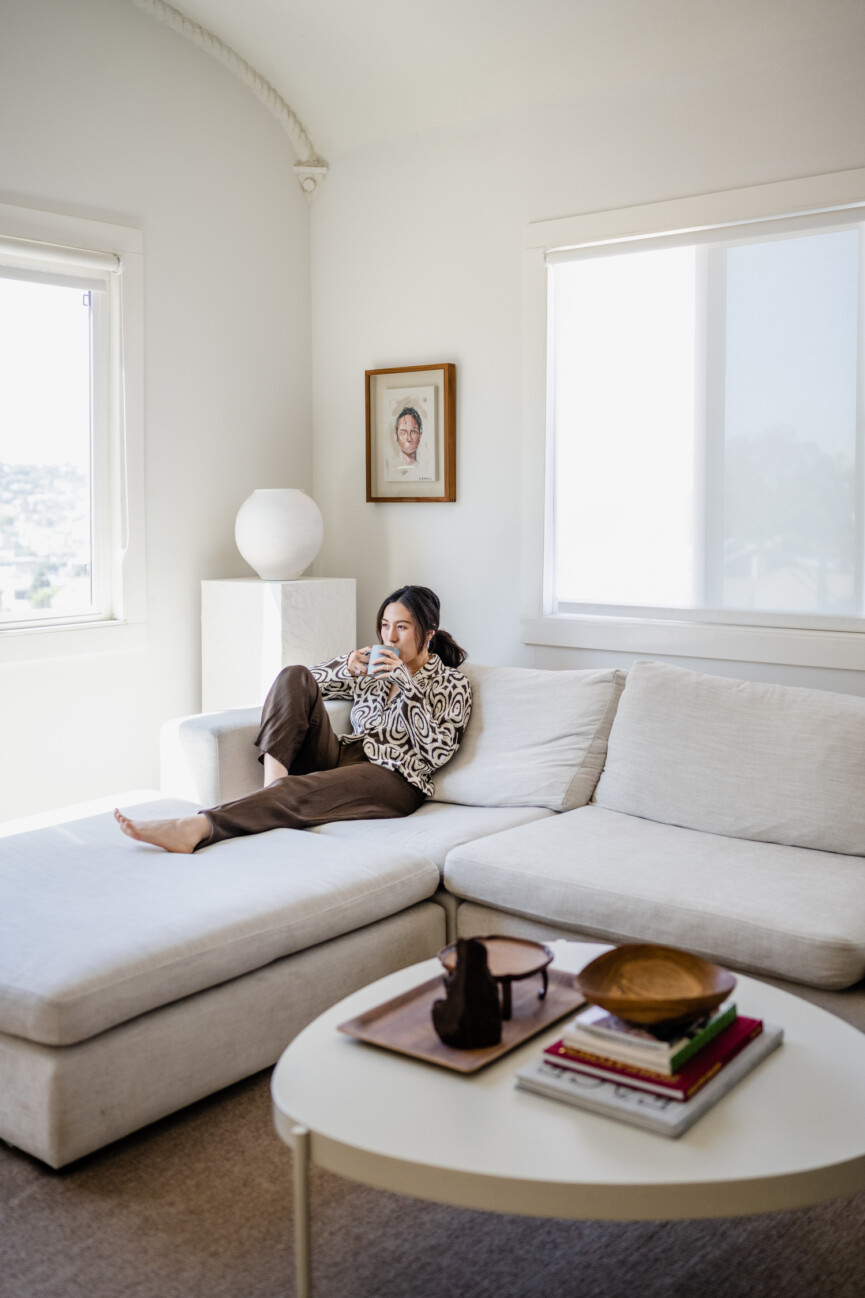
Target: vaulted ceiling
{"x": 361, "y": 71}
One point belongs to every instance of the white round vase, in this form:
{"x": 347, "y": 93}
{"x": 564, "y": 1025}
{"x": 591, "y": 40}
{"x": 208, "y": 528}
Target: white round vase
{"x": 279, "y": 531}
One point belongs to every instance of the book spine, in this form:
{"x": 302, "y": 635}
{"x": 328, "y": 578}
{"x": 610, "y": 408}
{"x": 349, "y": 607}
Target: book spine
{"x": 709, "y": 1032}
{"x": 612, "y": 1070}
{"x": 555, "y": 1091}
{"x": 643, "y": 1079}
{"x": 603, "y": 1048}
{"x": 550, "y": 1078}
{"x": 754, "y": 1032}
{"x": 654, "y": 1055}
{"x": 636, "y": 1079}
{"x": 642, "y": 1041}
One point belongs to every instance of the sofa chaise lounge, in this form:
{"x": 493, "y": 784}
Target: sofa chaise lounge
{"x": 667, "y": 805}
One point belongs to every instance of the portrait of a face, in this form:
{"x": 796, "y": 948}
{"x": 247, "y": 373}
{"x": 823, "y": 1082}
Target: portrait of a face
{"x": 411, "y": 433}
{"x": 409, "y": 430}
{"x": 410, "y": 447}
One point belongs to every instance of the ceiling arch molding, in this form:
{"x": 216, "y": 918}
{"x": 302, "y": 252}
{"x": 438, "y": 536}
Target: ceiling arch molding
{"x": 309, "y": 168}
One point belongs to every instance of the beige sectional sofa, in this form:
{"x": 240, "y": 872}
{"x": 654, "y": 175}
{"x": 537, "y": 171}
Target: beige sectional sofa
{"x": 718, "y": 815}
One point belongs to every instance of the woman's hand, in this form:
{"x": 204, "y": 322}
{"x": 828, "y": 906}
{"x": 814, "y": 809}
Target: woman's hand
{"x": 358, "y": 661}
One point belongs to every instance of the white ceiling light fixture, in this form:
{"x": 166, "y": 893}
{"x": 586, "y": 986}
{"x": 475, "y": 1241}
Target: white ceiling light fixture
{"x": 309, "y": 169}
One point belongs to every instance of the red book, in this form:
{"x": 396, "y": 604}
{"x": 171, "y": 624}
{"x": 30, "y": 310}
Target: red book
{"x": 680, "y": 1086}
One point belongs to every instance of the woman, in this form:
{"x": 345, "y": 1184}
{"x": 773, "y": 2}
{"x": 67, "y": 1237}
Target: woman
{"x": 411, "y": 707}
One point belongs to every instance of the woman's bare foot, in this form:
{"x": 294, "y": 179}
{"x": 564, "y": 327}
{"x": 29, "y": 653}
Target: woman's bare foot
{"x": 182, "y": 835}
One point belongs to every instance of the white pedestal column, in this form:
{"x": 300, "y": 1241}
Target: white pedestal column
{"x": 251, "y": 629}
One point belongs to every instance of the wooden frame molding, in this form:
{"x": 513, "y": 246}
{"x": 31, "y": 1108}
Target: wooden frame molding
{"x": 419, "y": 400}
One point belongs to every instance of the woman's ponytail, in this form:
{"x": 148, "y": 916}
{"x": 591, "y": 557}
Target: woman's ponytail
{"x": 443, "y": 644}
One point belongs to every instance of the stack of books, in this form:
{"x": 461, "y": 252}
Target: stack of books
{"x": 663, "y": 1083}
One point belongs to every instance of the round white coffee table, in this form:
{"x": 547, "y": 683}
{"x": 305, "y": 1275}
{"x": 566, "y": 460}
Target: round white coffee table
{"x": 790, "y": 1134}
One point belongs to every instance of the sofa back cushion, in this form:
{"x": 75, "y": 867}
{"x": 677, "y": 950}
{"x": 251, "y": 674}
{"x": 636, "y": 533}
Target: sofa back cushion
{"x": 535, "y": 738}
{"x": 773, "y": 763}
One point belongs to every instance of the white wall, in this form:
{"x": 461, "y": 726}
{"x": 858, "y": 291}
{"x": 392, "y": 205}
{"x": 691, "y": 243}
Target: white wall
{"x": 109, "y": 115}
{"x": 417, "y": 258}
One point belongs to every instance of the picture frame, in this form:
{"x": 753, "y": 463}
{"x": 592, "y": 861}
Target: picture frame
{"x": 411, "y": 434}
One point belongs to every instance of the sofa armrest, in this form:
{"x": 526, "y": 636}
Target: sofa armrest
{"x": 210, "y": 758}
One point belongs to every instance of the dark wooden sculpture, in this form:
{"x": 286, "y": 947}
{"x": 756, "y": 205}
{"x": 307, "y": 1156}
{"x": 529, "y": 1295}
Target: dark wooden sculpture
{"x": 469, "y": 1017}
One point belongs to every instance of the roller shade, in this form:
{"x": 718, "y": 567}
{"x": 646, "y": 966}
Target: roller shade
{"x": 737, "y": 232}
{"x": 49, "y": 263}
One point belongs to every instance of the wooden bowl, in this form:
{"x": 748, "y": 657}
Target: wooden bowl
{"x": 646, "y": 984}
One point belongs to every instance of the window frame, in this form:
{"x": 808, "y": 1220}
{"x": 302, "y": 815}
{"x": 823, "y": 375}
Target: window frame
{"x": 701, "y": 634}
{"x": 118, "y": 458}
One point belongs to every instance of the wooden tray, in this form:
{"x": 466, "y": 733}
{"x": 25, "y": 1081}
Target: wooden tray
{"x": 404, "y": 1024}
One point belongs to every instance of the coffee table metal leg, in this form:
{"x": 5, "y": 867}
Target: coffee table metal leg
{"x": 302, "y": 1258}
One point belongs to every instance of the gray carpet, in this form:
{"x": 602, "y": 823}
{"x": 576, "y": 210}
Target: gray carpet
{"x": 199, "y": 1206}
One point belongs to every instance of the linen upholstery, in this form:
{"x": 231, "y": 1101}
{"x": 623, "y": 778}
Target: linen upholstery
{"x": 211, "y": 758}
{"x": 60, "y": 1103}
{"x": 757, "y": 906}
{"x": 434, "y": 829}
{"x": 198, "y": 938}
{"x": 774, "y": 763}
{"x": 535, "y": 738}
{"x": 96, "y": 928}
{"x": 475, "y": 920}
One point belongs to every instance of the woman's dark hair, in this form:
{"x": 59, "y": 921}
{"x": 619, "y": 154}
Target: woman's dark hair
{"x": 423, "y": 604}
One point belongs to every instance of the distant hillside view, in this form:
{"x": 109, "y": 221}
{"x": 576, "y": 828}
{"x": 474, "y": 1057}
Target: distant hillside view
{"x": 44, "y": 541}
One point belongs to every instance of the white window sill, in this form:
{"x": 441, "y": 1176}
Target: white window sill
{"x": 797, "y": 648}
{"x": 27, "y": 644}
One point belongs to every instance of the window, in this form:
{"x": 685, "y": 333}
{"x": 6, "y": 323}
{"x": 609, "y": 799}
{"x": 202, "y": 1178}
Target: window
{"x": 68, "y": 359}
{"x": 704, "y": 437}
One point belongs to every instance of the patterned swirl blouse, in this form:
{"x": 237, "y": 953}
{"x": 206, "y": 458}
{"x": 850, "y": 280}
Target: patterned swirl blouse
{"x": 418, "y": 730}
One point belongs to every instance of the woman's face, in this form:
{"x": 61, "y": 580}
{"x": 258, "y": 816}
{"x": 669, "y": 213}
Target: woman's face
{"x": 400, "y": 631}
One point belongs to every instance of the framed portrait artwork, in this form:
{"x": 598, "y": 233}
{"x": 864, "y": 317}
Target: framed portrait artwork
{"x": 411, "y": 434}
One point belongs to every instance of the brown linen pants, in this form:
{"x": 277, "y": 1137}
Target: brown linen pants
{"x": 326, "y": 780}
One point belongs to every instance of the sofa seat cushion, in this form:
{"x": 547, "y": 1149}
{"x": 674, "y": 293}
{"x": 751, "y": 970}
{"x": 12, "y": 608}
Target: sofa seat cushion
{"x": 772, "y": 762}
{"x": 785, "y": 911}
{"x": 96, "y": 929}
{"x": 435, "y": 828}
{"x": 534, "y": 739}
